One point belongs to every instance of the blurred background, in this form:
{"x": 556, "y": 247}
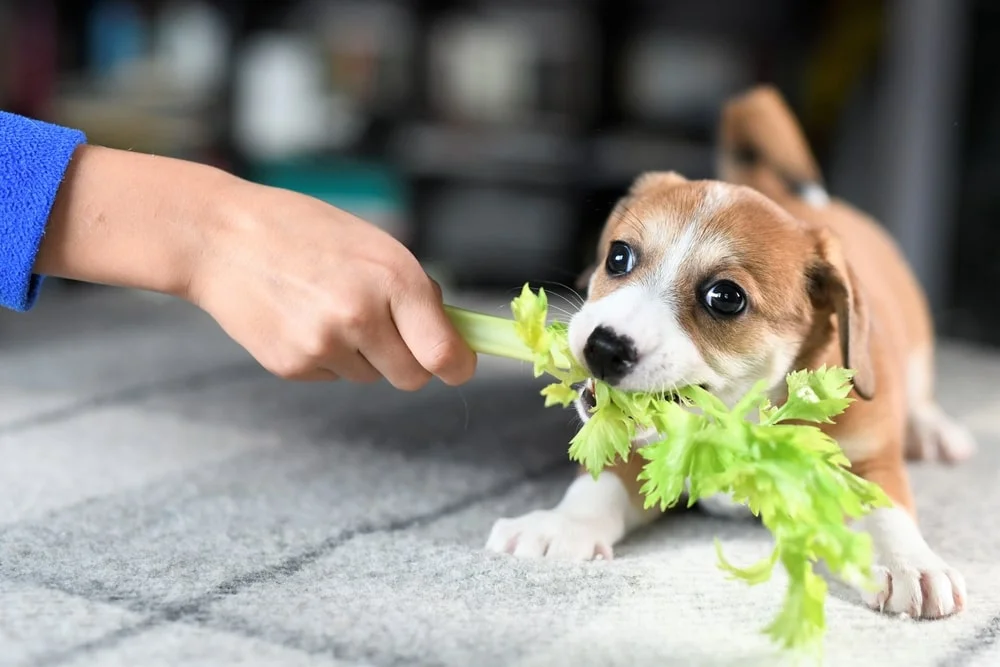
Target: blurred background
{"x": 493, "y": 137}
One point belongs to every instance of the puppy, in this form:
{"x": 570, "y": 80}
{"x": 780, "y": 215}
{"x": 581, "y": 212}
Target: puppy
{"x": 724, "y": 283}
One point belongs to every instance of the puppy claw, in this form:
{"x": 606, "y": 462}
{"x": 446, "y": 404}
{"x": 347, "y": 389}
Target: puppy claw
{"x": 927, "y": 593}
{"x": 877, "y": 598}
{"x": 552, "y": 535}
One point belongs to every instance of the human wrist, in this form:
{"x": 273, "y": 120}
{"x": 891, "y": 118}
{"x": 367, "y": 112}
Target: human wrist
{"x": 131, "y": 220}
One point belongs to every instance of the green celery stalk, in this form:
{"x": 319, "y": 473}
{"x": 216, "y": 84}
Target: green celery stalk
{"x": 490, "y": 334}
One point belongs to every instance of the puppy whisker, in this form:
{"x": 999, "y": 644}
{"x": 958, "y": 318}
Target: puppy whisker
{"x": 577, "y": 301}
{"x": 573, "y": 306}
{"x": 571, "y": 310}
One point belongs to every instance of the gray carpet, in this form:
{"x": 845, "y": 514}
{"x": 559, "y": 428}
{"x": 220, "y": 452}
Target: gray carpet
{"x": 165, "y": 502}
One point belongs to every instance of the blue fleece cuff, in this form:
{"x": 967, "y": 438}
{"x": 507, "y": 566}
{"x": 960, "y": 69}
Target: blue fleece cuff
{"x": 33, "y": 161}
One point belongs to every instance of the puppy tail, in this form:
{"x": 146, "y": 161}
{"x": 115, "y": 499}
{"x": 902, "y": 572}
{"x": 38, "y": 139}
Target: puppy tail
{"x": 762, "y": 145}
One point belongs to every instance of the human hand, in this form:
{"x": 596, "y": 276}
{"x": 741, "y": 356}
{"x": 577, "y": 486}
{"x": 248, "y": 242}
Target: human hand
{"x": 314, "y": 293}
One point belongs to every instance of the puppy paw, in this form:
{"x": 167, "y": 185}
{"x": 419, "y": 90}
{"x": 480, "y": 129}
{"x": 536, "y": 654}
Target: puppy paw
{"x": 936, "y": 436}
{"x": 909, "y": 577}
{"x": 929, "y": 591}
{"x": 552, "y": 534}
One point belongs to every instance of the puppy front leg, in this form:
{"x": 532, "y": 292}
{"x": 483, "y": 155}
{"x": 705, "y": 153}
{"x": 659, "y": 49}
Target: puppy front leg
{"x": 911, "y": 578}
{"x": 592, "y": 517}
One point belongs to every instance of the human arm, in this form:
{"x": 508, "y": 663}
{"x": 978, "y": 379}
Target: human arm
{"x": 310, "y": 291}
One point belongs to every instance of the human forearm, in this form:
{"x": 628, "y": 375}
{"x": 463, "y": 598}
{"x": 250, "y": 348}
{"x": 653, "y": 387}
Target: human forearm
{"x": 312, "y": 292}
{"x": 132, "y": 220}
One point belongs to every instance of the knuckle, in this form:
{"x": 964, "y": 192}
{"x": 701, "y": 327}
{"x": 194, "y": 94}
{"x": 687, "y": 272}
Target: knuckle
{"x": 290, "y": 368}
{"x": 448, "y": 358}
{"x": 406, "y": 278}
{"x": 436, "y": 290}
{"x": 355, "y": 318}
{"x": 398, "y": 272}
{"x": 392, "y": 275}
{"x": 316, "y": 346}
{"x": 443, "y": 356}
{"x": 452, "y": 361}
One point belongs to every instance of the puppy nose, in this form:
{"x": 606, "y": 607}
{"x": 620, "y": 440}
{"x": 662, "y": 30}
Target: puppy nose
{"x": 609, "y": 356}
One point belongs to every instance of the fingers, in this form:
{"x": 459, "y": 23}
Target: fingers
{"x": 351, "y": 366}
{"x": 392, "y": 325}
{"x": 430, "y": 335}
{"x": 386, "y": 351}
{"x": 315, "y": 375}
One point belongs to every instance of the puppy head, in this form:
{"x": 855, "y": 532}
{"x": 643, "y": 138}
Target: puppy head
{"x": 702, "y": 282}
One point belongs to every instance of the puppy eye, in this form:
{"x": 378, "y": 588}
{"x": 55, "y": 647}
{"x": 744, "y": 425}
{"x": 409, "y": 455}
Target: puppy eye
{"x": 621, "y": 259}
{"x": 725, "y": 298}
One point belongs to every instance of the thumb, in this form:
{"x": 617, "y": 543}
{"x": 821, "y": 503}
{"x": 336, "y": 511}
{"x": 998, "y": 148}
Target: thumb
{"x": 431, "y": 336}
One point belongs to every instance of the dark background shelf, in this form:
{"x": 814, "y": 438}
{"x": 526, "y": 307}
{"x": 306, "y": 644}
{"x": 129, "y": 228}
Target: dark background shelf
{"x": 493, "y": 203}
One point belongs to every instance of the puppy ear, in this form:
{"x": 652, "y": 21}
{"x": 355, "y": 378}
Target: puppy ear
{"x": 834, "y": 288}
{"x": 655, "y": 181}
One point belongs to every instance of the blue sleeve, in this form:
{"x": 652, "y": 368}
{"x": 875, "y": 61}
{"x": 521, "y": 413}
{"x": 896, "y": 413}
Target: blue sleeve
{"x": 33, "y": 160}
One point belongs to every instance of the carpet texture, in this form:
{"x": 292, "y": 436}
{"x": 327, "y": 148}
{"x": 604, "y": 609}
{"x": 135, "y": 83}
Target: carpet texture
{"x": 163, "y": 501}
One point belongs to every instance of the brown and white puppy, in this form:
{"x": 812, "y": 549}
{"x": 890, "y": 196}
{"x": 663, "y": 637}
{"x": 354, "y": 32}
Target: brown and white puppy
{"x": 724, "y": 283}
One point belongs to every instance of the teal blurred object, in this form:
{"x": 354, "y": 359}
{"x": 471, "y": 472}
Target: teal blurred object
{"x": 117, "y": 34}
{"x": 370, "y": 191}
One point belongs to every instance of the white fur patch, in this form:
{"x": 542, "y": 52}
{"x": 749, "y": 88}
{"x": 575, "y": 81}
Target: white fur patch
{"x": 691, "y": 250}
{"x": 912, "y": 579}
{"x": 717, "y": 197}
{"x": 918, "y": 377}
{"x": 667, "y": 357}
{"x": 932, "y": 434}
{"x": 815, "y": 195}
{"x": 591, "y": 518}
{"x": 587, "y": 497}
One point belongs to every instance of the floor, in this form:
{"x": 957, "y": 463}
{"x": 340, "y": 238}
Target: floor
{"x": 163, "y": 501}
